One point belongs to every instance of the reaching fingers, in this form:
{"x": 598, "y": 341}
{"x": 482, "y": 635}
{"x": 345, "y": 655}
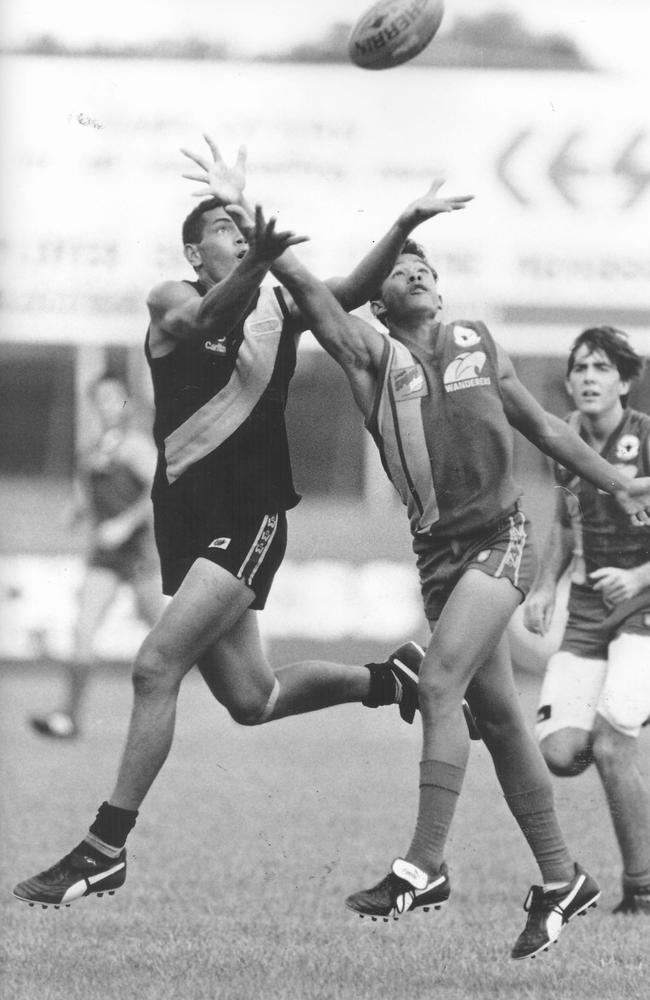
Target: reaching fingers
{"x": 290, "y": 240}
{"x": 199, "y": 160}
{"x": 240, "y": 163}
{"x": 435, "y": 186}
{"x": 212, "y": 146}
{"x": 196, "y": 177}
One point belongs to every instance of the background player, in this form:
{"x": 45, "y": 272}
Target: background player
{"x": 596, "y": 691}
{"x": 222, "y": 351}
{"x": 113, "y": 487}
{"x": 438, "y": 400}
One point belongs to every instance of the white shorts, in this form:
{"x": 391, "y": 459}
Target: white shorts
{"x": 576, "y": 688}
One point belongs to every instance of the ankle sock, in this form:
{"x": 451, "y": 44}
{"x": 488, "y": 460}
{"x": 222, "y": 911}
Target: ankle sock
{"x": 111, "y": 827}
{"x": 384, "y": 687}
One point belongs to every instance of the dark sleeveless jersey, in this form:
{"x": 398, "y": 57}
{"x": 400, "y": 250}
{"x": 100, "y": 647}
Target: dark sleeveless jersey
{"x": 442, "y": 433}
{"x": 220, "y": 401}
{"x": 605, "y": 536}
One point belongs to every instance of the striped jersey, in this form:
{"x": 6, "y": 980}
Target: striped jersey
{"x": 604, "y": 533}
{"x": 220, "y": 404}
{"x": 439, "y": 423}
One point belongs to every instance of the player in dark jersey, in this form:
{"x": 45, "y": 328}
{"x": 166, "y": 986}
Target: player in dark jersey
{"x": 113, "y": 485}
{"x": 222, "y": 352}
{"x": 439, "y": 400}
{"x": 596, "y": 691}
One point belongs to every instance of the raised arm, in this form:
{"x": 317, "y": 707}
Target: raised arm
{"x": 555, "y": 438}
{"x": 178, "y": 312}
{"x": 354, "y": 344}
{"x": 353, "y": 290}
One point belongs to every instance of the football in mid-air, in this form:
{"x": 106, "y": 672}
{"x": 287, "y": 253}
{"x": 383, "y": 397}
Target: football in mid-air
{"x": 393, "y": 31}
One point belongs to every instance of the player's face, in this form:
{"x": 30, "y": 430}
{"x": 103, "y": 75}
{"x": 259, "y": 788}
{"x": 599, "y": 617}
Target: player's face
{"x": 594, "y": 383}
{"x": 221, "y": 247}
{"x": 109, "y": 398}
{"x": 410, "y": 290}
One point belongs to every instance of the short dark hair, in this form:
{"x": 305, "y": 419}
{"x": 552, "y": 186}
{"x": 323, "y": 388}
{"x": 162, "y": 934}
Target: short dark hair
{"x": 194, "y": 223}
{"x": 416, "y": 250}
{"x": 613, "y": 343}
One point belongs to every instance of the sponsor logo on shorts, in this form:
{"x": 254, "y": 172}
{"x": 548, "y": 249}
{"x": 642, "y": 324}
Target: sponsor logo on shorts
{"x": 220, "y": 543}
{"x": 409, "y": 383}
{"x": 484, "y": 555}
{"x": 464, "y": 371}
{"x": 544, "y": 713}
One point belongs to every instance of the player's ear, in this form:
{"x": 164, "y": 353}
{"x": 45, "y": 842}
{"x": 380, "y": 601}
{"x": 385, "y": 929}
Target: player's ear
{"x": 192, "y": 254}
{"x": 378, "y": 310}
{"x": 625, "y": 389}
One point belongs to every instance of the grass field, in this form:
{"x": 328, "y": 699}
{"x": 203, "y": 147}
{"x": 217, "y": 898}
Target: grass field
{"x": 248, "y": 844}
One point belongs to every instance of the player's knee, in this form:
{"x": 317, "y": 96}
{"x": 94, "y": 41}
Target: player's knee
{"x": 566, "y": 758}
{"x": 439, "y": 687}
{"x": 611, "y": 747}
{"x": 256, "y": 708}
{"x": 154, "y": 670}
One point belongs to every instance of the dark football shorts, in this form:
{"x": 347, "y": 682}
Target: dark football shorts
{"x": 592, "y": 624}
{"x": 132, "y": 561}
{"x": 502, "y": 549}
{"x": 249, "y": 547}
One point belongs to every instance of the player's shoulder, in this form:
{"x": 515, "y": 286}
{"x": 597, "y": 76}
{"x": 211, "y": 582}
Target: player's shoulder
{"x": 637, "y": 419}
{"x": 169, "y": 293}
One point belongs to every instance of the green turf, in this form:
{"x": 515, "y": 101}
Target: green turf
{"x": 246, "y": 848}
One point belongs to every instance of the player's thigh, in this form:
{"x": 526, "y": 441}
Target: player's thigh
{"x": 96, "y": 595}
{"x": 625, "y": 697}
{"x": 568, "y": 698}
{"x": 208, "y": 603}
{"x": 472, "y": 623}
{"x": 235, "y": 667}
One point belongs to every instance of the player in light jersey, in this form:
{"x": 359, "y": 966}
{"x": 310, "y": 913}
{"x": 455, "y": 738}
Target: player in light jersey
{"x": 596, "y": 692}
{"x": 439, "y": 399}
{"x": 113, "y": 482}
{"x": 222, "y": 352}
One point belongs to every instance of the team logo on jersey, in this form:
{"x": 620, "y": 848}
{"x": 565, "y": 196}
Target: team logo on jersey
{"x": 484, "y": 555}
{"x": 627, "y": 448}
{"x": 464, "y": 336}
{"x": 464, "y": 371}
{"x": 409, "y": 383}
{"x": 219, "y": 346}
{"x": 220, "y": 543}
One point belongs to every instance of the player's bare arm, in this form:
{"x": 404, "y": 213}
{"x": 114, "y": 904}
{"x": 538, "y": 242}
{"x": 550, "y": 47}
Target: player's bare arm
{"x": 556, "y": 439}
{"x": 177, "y": 310}
{"x": 353, "y": 290}
{"x": 540, "y": 603}
{"x": 354, "y": 344}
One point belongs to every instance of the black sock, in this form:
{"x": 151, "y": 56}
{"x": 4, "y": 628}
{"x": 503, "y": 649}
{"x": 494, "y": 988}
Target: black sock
{"x": 383, "y": 686}
{"x": 113, "y": 825}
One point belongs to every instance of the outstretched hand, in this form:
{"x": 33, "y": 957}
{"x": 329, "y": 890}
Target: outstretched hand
{"x": 635, "y": 501}
{"x": 265, "y": 244}
{"x": 430, "y": 204}
{"x": 219, "y": 180}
